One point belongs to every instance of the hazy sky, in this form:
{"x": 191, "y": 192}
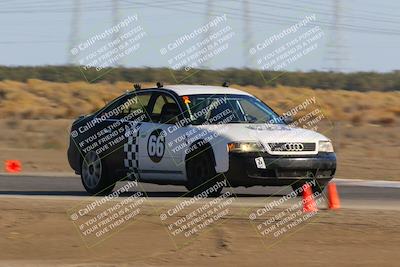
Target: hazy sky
{"x": 38, "y": 32}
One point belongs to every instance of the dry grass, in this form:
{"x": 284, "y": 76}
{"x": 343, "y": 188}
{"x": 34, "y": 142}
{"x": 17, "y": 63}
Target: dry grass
{"x": 381, "y": 108}
{"x": 38, "y": 99}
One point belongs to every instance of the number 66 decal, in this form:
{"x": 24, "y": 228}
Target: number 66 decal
{"x": 156, "y": 145}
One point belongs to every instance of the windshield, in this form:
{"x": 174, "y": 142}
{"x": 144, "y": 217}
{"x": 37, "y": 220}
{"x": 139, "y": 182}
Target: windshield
{"x": 218, "y": 109}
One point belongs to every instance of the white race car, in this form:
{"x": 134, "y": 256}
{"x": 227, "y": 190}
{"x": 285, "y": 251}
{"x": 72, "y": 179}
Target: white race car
{"x": 191, "y": 135}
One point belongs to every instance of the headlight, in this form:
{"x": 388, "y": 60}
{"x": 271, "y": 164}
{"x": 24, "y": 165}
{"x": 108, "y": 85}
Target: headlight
{"x": 243, "y": 147}
{"x": 325, "y": 146}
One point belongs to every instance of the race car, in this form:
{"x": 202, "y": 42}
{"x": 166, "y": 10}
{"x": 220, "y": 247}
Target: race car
{"x": 193, "y": 134}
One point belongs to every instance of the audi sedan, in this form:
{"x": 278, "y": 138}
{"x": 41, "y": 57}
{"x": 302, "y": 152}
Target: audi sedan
{"x": 193, "y": 134}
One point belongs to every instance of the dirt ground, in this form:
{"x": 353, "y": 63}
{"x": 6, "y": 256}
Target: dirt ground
{"x": 38, "y": 232}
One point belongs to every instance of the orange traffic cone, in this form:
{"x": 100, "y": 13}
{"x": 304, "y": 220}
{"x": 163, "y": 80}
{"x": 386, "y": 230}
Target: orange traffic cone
{"x": 309, "y": 204}
{"x": 13, "y": 166}
{"x": 333, "y": 197}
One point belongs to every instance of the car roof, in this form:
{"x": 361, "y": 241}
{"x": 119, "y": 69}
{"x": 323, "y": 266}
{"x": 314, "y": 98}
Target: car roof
{"x": 182, "y": 90}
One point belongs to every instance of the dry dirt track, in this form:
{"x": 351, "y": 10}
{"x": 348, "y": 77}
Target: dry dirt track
{"x": 36, "y": 231}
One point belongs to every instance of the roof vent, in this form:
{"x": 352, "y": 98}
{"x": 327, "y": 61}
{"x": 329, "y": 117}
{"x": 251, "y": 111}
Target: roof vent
{"x": 159, "y": 85}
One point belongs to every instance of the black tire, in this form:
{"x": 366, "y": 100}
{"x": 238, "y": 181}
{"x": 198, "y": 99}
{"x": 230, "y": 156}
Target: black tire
{"x": 94, "y": 175}
{"x": 200, "y": 172}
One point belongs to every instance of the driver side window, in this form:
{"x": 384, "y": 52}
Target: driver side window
{"x": 136, "y": 107}
{"x": 165, "y": 110}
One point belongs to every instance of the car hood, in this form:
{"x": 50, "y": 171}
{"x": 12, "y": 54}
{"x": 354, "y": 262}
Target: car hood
{"x": 271, "y": 133}
{"x": 268, "y": 135}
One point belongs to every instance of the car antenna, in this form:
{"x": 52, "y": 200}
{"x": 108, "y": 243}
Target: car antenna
{"x": 160, "y": 85}
{"x": 226, "y": 84}
{"x": 137, "y": 86}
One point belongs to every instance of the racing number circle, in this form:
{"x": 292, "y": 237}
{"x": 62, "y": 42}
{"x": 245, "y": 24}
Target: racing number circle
{"x": 156, "y": 145}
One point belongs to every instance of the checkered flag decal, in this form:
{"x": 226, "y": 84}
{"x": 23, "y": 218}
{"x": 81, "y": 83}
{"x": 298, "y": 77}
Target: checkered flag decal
{"x": 131, "y": 150}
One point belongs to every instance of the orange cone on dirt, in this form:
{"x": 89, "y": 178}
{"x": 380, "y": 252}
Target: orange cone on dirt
{"x": 13, "y": 166}
{"x": 333, "y": 197}
{"x": 309, "y": 204}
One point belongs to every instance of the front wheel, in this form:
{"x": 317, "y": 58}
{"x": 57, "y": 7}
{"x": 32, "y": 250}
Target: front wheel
{"x": 94, "y": 175}
{"x": 200, "y": 175}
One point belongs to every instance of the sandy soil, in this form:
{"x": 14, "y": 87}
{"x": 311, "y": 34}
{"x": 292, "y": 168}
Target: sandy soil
{"x": 38, "y": 232}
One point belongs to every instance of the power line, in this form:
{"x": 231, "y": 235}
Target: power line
{"x": 67, "y": 9}
{"x": 64, "y": 7}
{"x": 271, "y": 18}
{"x": 374, "y": 13}
{"x": 302, "y": 8}
{"x": 266, "y": 17}
{"x": 49, "y": 3}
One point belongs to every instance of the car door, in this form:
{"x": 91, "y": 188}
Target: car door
{"x": 158, "y": 160}
{"x": 108, "y": 135}
{"x": 132, "y": 116}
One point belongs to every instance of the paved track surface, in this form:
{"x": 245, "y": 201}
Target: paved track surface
{"x": 353, "y": 194}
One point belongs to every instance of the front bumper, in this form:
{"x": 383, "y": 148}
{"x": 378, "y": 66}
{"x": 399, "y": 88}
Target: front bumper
{"x": 280, "y": 170}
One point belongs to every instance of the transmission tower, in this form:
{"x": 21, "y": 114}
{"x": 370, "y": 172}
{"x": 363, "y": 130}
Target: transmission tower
{"x": 247, "y": 37}
{"x": 335, "y": 47}
{"x": 115, "y": 19}
{"x": 74, "y": 35}
{"x": 207, "y": 34}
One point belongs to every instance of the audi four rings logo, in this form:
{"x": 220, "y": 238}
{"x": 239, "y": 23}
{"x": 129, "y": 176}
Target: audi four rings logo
{"x": 294, "y": 147}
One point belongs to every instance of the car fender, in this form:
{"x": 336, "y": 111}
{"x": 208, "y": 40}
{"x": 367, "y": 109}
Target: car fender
{"x": 207, "y": 135}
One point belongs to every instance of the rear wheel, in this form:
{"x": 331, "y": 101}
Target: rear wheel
{"x": 200, "y": 173}
{"x": 94, "y": 175}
